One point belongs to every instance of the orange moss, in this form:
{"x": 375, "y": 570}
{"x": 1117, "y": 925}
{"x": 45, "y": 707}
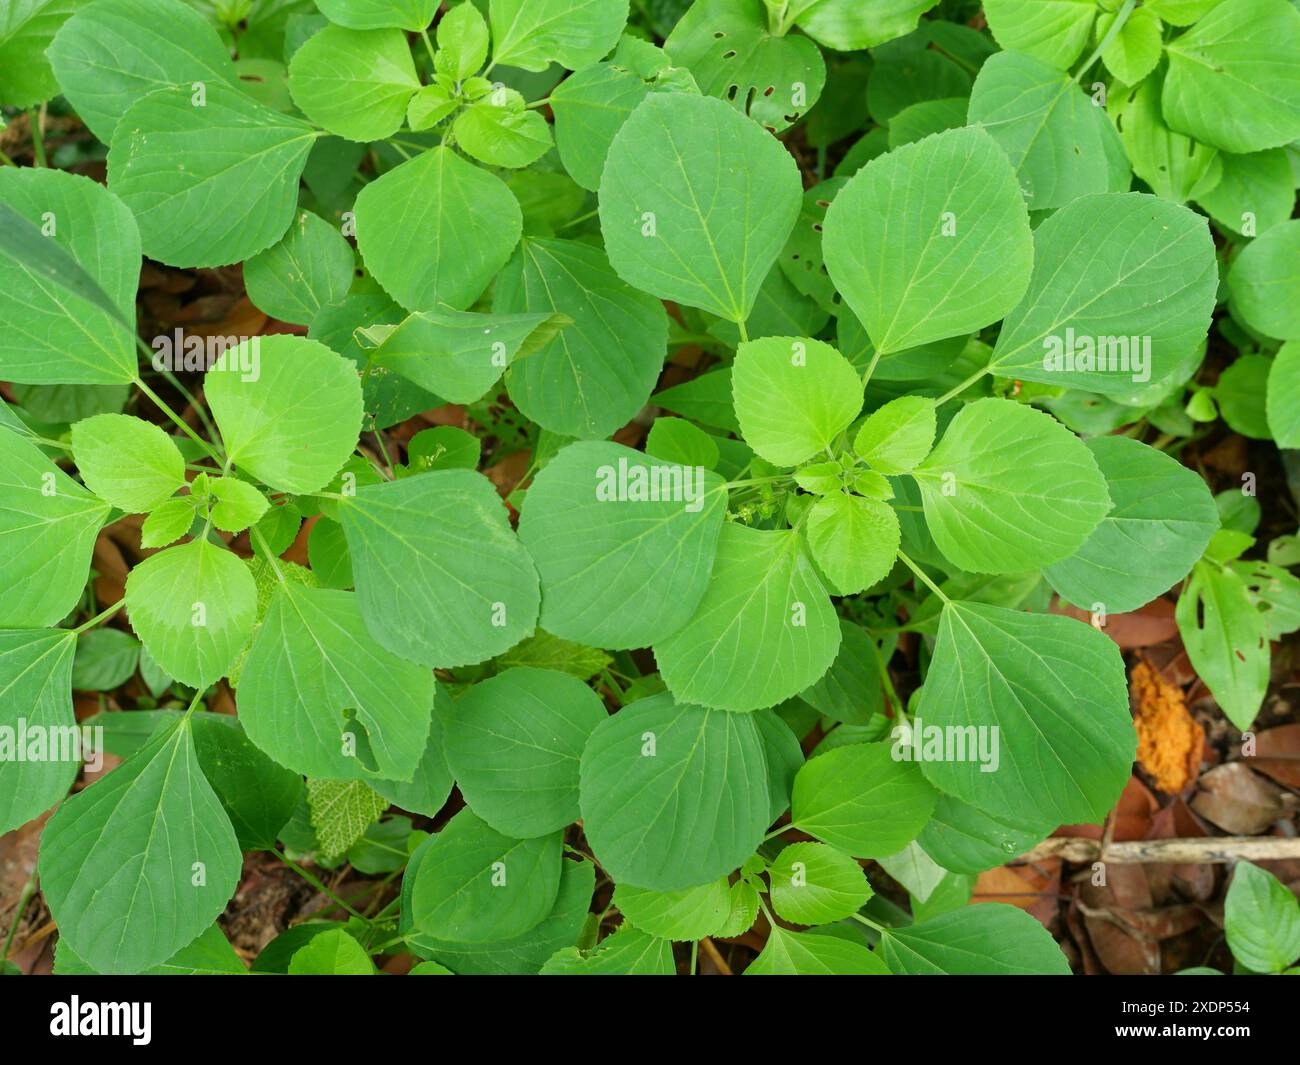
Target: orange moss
{"x": 1169, "y": 740}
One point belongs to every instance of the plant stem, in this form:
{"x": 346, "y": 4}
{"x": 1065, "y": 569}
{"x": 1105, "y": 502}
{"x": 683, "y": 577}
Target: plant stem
{"x": 869, "y": 923}
{"x": 6, "y": 161}
{"x": 956, "y": 389}
{"x": 254, "y": 534}
{"x": 36, "y": 121}
{"x": 871, "y": 368}
{"x": 319, "y": 885}
{"x": 101, "y": 616}
{"x": 184, "y": 425}
{"x": 428, "y": 44}
{"x": 582, "y": 218}
{"x": 1111, "y": 34}
{"x": 383, "y": 450}
{"x": 186, "y": 394}
{"x": 29, "y": 889}
{"x": 744, "y": 331}
{"x": 921, "y": 574}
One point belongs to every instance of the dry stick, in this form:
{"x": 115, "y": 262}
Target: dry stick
{"x": 706, "y": 944}
{"x": 1211, "y": 850}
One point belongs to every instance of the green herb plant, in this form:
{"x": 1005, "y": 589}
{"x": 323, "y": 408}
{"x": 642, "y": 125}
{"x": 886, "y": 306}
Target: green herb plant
{"x": 946, "y": 294}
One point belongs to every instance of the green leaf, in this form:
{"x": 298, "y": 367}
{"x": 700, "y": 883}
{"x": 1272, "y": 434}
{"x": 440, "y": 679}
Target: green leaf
{"x": 764, "y": 631}
{"x": 168, "y": 522}
{"x": 105, "y": 659}
{"x": 816, "y": 884}
{"x": 441, "y": 577}
{"x": 26, "y": 29}
{"x": 1053, "y": 690}
{"x": 916, "y": 871}
{"x": 113, "y": 53}
{"x": 1255, "y": 193}
{"x": 1284, "y": 381}
{"x": 1176, "y": 167}
{"x": 514, "y": 742}
{"x": 521, "y": 955}
{"x": 310, "y": 268}
{"x": 1061, "y": 144}
{"x": 1240, "y": 394}
{"x": 332, "y": 953}
{"x": 930, "y": 240}
{"x": 627, "y": 952}
{"x": 462, "y": 42}
{"x": 48, "y": 525}
{"x": 853, "y": 540}
{"x": 294, "y": 419}
{"x": 1262, "y": 920}
{"x": 1162, "y": 520}
{"x": 733, "y": 55}
{"x": 595, "y": 374}
{"x": 430, "y": 105}
{"x": 320, "y": 696}
{"x": 460, "y": 355}
{"x": 678, "y": 440}
{"x": 545, "y": 651}
{"x": 793, "y": 397}
{"x": 128, "y": 462}
{"x": 862, "y": 800}
{"x": 1053, "y": 31}
{"x": 597, "y": 548}
{"x": 476, "y": 885}
{"x": 258, "y": 796}
{"x": 1262, "y": 279}
{"x": 897, "y": 436}
{"x": 143, "y": 861}
{"x": 679, "y": 226}
{"x": 967, "y": 840}
{"x": 507, "y": 136}
{"x": 1275, "y": 593}
{"x": 917, "y": 121}
{"x": 1133, "y": 52}
{"x": 900, "y": 77}
{"x": 991, "y": 939}
{"x": 1181, "y": 12}
{"x": 194, "y": 607}
{"x": 341, "y": 811}
{"x": 1224, "y": 86}
{"x": 1148, "y": 269}
{"x": 852, "y": 689}
{"x": 672, "y": 794}
{"x": 236, "y": 191}
{"x": 35, "y": 709}
{"x": 69, "y": 269}
{"x": 814, "y": 954}
{"x": 427, "y": 791}
{"x": 590, "y": 107}
{"x": 532, "y": 34}
{"x": 355, "y": 83}
{"x": 847, "y": 25}
{"x": 209, "y": 955}
{"x": 380, "y": 14}
{"x": 1226, "y": 639}
{"x": 435, "y": 230}
{"x": 236, "y": 504}
{"x": 689, "y": 914}
{"x": 1010, "y": 489}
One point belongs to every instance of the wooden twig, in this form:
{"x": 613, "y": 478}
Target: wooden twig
{"x": 1210, "y": 850}
{"x": 708, "y": 947}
